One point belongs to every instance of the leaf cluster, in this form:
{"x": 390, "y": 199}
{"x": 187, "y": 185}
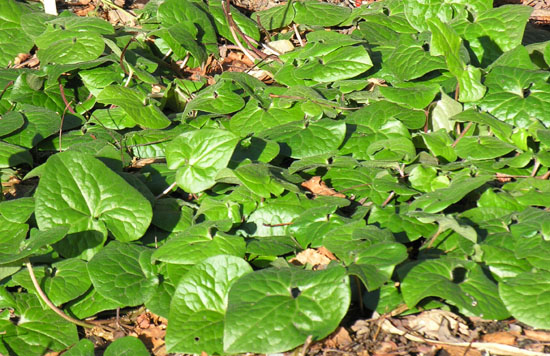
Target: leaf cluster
{"x": 427, "y": 120}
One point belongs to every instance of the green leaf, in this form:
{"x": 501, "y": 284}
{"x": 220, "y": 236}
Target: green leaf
{"x": 190, "y": 248}
{"x": 440, "y": 199}
{"x": 126, "y": 346}
{"x": 79, "y": 48}
{"x": 64, "y": 281}
{"x": 445, "y": 109}
{"x": 123, "y": 272}
{"x": 246, "y": 25}
{"x": 275, "y": 17}
{"x": 482, "y": 147}
{"x": 409, "y": 60}
{"x": 12, "y": 155}
{"x": 171, "y": 215}
{"x": 43, "y": 326}
{"x": 12, "y": 236}
{"x": 219, "y": 98}
{"x": 27, "y": 89}
{"x": 259, "y": 179}
{"x": 302, "y": 141}
{"x": 90, "y": 304}
{"x": 417, "y": 97}
{"x": 315, "y": 13}
{"x": 84, "y": 347}
{"x": 343, "y": 63}
{"x": 446, "y": 222}
{"x": 39, "y": 124}
{"x": 312, "y": 226}
{"x": 420, "y": 13}
{"x": 198, "y": 307}
{"x": 182, "y": 42}
{"x": 446, "y": 42}
{"x": 425, "y": 178}
{"x": 255, "y": 149}
{"x": 136, "y": 104}
{"x": 525, "y": 296}
{"x": 253, "y": 119}
{"x": 17, "y": 210}
{"x": 289, "y": 303}
{"x": 494, "y": 31}
{"x": 440, "y": 144}
{"x": 10, "y": 122}
{"x": 172, "y": 13}
{"x": 462, "y": 283}
{"x": 12, "y": 38}
{"x": 83, "y": 24}
{"x": 80, "y": 191}
{"x": 198, "y": 156}
{"x": 517, "y": 96}
{"x": 375, "y": 265}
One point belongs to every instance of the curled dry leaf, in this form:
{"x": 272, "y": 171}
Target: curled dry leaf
{"x": 318, "y": 187}
{"x": 311, "y": 256}
{"x": 339, "y": 338}
{"x": 439, "y": 325}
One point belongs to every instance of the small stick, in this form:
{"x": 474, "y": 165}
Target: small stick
{"x": 52, "y": 306}
{"x": 166, "y": 191}
{"x": 276, "y": 225}
{"x": 312, "y": 100}
{"x": 297, "y": 33}
{"x": 10, "y": 83}
{"x": 62, "y": 91}
{"x": 61, "y": 124}
{"x": 123, "y": 53}
{"x": 388, "y": 199}
{"x": 462, "y": 134}
{"x": 262, "y": 28}
{"x": 535, "y": 168}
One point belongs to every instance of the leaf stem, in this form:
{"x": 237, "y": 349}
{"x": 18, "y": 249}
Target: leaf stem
{"x": 227, "y": 12}
{"x": 292, "y": 97}
{"x": 48, "y": 302}
{"x": 462, "y": 134}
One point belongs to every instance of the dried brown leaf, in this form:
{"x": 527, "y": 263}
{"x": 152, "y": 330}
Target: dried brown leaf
{"x": 318, "y": 187}
{"x": 500, "y": 337}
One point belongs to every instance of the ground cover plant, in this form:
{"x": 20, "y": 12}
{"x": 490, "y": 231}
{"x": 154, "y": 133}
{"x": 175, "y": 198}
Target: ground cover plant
{"x": 398, "y": 155}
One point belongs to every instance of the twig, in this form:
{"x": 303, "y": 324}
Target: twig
{"x": 388, "y": 199}
{"x": 130, "y": 75}
{"x": 44, "y": 297}
{"x": 358, "y": 284}
{"x": 123, "y": 53}
{"x": 67, "y": 104}
{"x": 10, "y": 83}
{"x": 312, "y": 100}
{"x": 166, "y": 191}
{"x": 297, "y": 33}
{"x": 61, "y": 125}
{"x": 262, "y": 28}
{"x": 535, "y": 168}
{"x": 226, "y": 10}
{"x": 437, "y": 233}
{"x": 234, "y": 28}
{"x": 276, "y": 225}
{"x": 306, "y": 345}
{"x": 462, "y": 134}
{"x": 184, "y": 61}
